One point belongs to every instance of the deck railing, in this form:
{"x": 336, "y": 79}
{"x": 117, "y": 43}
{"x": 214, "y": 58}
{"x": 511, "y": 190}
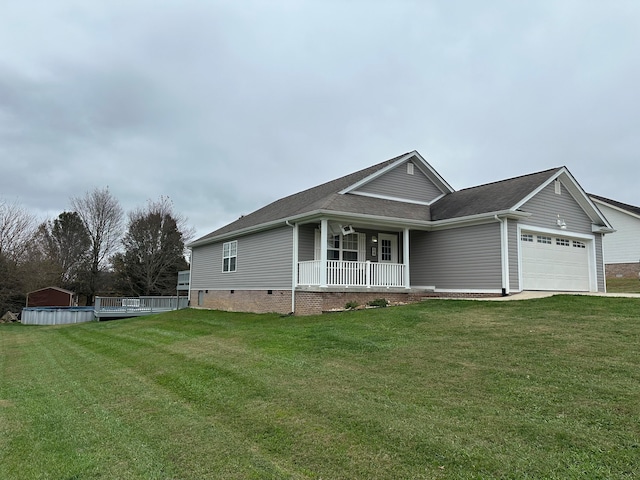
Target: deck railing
{"x": 352, "y": 274}
{"x": 184, "y": 279}
{"x": 112, "y": 306}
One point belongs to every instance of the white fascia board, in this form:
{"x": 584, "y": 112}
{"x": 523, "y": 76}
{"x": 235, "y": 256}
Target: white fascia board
{"x": 405, "y": 158}
{"x": 241, "y": 232}
{"x": 426, "y": 165}
{"x": 615, "y": 207}
{"x": 585, "y": 201}
{"x": 396, "y": 199}
{"x": 576, "y": 191}
{"x": 601, "y": 229}
{"x": 537, "y": 190}
{"x": 359, "y": 217}
{"x": 478, "y": 218}
{"x": 423, "y": 224}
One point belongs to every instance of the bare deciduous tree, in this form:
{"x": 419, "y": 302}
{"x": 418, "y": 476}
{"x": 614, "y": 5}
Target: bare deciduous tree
{"x": 17, "y": 227}
{"x": 103, "y": 219}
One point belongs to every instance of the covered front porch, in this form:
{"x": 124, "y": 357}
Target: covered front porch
{"x": 342, "y": 254}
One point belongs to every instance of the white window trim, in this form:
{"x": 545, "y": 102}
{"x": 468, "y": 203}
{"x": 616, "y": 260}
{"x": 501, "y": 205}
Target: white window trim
{"x": 232, "y": 247}
{"x": 341, "y": 249}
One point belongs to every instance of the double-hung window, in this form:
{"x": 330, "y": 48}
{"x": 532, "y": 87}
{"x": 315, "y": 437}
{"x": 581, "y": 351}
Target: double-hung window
{"x": 229, "y": 256}
{"x": 343, "y": 247}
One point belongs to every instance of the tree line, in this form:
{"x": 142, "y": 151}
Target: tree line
{"x": 91, "y": 249}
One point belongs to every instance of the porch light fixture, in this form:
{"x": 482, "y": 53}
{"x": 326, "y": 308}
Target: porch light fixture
{"x": 347, "y": 230}
{"x": 561, "y": 223}
{"x": 374, "y": 239}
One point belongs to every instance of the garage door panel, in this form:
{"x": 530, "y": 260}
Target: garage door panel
{"x": 553, "y": 266}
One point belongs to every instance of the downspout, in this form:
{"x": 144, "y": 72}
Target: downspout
{"x": 294, "y": 268}
{"x": 190, "y": 273}
{"x": 504, "y": 254}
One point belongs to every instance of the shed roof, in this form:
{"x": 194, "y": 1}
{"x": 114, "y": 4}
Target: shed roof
{"x": 69, "y": 292}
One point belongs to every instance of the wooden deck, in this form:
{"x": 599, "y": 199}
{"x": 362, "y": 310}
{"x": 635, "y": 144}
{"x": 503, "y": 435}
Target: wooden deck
{"x": 121, "y": 307}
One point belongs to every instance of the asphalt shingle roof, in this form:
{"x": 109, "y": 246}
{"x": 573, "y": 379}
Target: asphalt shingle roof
{"x": 615, "y": 203}
{"x": 491, "y": 197}
{"x": 321, "y": 197}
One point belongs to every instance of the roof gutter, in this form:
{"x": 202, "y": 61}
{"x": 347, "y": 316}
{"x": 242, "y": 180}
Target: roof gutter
{"x": 350, "y": 216}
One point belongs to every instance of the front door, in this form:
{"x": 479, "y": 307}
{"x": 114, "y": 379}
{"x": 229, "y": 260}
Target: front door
{"x": 388, "y": 248}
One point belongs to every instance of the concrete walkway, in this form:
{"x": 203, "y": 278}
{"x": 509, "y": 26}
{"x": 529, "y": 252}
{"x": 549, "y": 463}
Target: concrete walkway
{"x": 527, "y": 295}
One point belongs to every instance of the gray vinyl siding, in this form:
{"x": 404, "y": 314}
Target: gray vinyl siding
{"x": 264, "y": 262}
{"x": 465, "y": 258}
{"x": 397, "y": 183}
{"x": 547, "y": 205}
{"x": 514, "y": 281}
{"x": 306, "y": 242}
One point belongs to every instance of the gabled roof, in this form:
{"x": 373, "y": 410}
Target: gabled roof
{"x": 504, "y": 197}
{"x": 328, "y": 198}
{"x": 53, "y": 288}
{"x": 491, "y": 197}
{"x": 619, "y": 205}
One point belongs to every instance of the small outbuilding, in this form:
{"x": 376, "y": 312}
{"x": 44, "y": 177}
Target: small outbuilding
{"x": 51, "y": 297}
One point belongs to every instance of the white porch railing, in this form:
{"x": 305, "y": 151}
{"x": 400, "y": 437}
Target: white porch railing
{"x": 352, "y": 274}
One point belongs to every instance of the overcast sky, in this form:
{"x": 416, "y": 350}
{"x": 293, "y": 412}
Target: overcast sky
{"x": 225, "y": 106}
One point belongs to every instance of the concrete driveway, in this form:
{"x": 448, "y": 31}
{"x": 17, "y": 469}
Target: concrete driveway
{"x": 526, "y": 295}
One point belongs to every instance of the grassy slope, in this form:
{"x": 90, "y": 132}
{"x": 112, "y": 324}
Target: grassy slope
{"x": 544, "y": 388}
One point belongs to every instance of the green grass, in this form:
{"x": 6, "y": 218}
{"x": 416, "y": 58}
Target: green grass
{"x": 546, "y": 388}
{"x": 623, "y": 285}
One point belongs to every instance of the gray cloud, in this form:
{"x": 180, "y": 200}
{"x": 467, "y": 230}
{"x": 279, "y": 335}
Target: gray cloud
{"x": 225, "y": 106}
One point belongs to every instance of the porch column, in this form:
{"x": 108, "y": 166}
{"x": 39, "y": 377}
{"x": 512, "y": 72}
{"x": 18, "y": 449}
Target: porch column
{"x": 324, "y": 232}
{"x": 405, "y": 255}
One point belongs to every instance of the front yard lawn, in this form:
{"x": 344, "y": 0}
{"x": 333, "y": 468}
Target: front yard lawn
{"x": 546, "y": 388}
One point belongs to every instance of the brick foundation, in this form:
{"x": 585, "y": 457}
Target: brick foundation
{"x": 622, "y": 270}
{"x": 314, "y": 303}
{"x": 308, "y": 302}
{"x": 254, "y": 301}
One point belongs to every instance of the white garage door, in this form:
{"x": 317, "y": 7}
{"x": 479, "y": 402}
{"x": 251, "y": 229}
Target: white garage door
{"x": 554, "y": 263}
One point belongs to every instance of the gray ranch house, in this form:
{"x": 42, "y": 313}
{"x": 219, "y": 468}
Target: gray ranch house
{"x": 397, "y": 230}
